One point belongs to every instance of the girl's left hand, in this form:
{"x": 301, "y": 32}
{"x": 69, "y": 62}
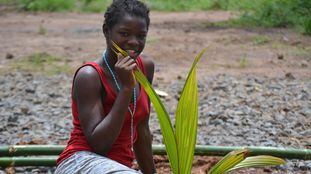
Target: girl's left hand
{"x": 124, "y": 71}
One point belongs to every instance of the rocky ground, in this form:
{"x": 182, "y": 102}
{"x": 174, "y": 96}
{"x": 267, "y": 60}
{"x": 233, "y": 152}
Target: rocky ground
{"x": 254, "y": 84}
{"x": 246, "y": 111}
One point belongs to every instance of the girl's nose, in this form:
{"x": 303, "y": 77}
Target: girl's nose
{"x": 133, "y": 42}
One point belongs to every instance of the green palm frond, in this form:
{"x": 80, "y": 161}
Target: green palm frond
{"x": 180, "y": 147}
{"x": 187, "y": 119}
{"x": 163, "y": 116}
{"x": 259, "y": 161}
{"x": 229, "y": 161}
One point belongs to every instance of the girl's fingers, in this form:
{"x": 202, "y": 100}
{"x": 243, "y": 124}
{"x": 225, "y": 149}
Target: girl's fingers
{"x": 131, "y": 67}
{"x": 129, "y": 62}
{"x": 125, "y": 61}
{"x": 120, "y": 56}
{"x": 120, "y": 60}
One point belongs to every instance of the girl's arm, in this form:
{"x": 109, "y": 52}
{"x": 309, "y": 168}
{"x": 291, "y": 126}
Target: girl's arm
{"x": 143, "y": 148}
{"x": 143, "y": 144}
{"x": 102, "y": 130}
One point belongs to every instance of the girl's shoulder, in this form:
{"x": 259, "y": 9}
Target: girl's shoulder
{"x": 149, "y": 66}
{"x": 87, "y": 71}
{"x": 87, "y": 76}
{"x": 147, "y": 61}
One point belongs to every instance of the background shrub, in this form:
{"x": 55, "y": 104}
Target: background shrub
{"x": 280, "y": 13}
{"x": 260, "y": 13}
{"x": 47, "y": 5}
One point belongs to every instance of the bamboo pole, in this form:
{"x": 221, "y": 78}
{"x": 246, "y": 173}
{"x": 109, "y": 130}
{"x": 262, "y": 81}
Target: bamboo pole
{"x": 9, "y": 153}
{"x": 289, "y": 153}
{"x": 28, "y": 161}
{"x": 23, "y": 150}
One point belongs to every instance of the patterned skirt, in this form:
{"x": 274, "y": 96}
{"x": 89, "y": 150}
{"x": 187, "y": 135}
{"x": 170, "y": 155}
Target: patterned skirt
{"x": 89, "y": 162}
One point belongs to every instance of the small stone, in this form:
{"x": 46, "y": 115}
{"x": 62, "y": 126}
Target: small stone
{"x": 24, "y": 109}
{"x": 280, "y": 56}
{"x": 212, "y": 114}
{"x": 290, "y": 76}
{"x": 13, "y": 119}
{"x": 9, "y": 56}
{"x": 304, "y": 64}
{"x": 30, "y": 90}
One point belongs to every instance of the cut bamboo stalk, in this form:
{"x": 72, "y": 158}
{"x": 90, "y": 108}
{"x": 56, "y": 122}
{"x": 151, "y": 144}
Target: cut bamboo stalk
{"x": 23, "y": 150}
{"x": 9, "y": 153}
{"x": 289, "y": 153}
{"x": 28, "y": 161}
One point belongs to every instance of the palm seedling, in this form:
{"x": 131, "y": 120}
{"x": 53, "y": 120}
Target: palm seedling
{"x": 180, "y": 144}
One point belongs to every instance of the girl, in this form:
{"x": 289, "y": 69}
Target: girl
{"x": 110, "y": 109}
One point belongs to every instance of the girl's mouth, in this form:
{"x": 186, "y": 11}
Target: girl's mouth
{"x": 132, "y": 53}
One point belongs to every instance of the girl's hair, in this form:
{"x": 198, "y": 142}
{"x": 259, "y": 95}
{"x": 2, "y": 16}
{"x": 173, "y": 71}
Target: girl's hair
{"x": 118, "y": 8}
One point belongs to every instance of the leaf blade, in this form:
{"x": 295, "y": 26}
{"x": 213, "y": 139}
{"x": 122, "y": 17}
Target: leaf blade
{"x": 165, "y": 123}
{"x": 187, "y": 118}
{"x": 229, "y": 161}
{"x": 258, "y": 161}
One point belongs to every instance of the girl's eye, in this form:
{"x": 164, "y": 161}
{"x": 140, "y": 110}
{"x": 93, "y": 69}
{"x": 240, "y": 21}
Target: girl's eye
{"x": 124, "y": 34}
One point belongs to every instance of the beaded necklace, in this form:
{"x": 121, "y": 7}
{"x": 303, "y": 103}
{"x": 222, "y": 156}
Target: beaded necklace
{"x": 132, "y": 112}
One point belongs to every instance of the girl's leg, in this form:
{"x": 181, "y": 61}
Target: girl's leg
{"x": 91, "y": 163}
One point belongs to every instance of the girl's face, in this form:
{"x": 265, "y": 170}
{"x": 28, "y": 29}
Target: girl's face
{"x": 130, "y": 34}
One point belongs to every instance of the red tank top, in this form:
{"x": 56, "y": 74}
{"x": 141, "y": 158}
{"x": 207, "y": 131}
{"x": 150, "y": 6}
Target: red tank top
{"x": 121, "y": 149}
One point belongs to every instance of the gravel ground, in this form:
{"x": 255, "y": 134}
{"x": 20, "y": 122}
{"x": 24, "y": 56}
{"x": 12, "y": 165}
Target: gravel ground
{"x": 233, "y": 111}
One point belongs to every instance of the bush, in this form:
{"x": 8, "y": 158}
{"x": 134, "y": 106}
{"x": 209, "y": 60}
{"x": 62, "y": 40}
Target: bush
{"x": 302, "y": 9}
{"x": 264, "y": 13}
{"x": 281, "y": 13}
{"x": 94, "y": 5}
{"x": 47, "y": 5}
{"x": 178, "y": 5}
{"x": 234, "y": 4}
{"x": 306, "y": 26}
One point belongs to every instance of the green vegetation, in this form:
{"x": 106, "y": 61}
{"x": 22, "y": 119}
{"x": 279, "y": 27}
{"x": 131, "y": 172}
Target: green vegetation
{"x": 42, "y": 63}
{"x": 151, "y": 40}
{"x": 93, "y": 5}
{"x": 260, "y": 39}
{"x": 59, "y": 5}
{"x": 303, "y": 52}
{"x": 243, "y": 62}
{"x": 280, "y": 13}
{"x": 178, "y": 5}
{"x": 234, "y": 4}
{"x": 180, "y": 140}
{"x": 159, "y": 5}
{"x": 259, "y": 13}
{"x": 41, "y": 30}
{"x": 7, "y": 2}
{"x": 47, "y": 5}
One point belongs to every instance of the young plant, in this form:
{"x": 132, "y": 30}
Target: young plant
{"x": 180, "y": 144}
{"x": 238, "y": 159}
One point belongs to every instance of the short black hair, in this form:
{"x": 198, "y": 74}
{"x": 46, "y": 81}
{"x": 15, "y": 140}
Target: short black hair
{"x": 119, "y": 8}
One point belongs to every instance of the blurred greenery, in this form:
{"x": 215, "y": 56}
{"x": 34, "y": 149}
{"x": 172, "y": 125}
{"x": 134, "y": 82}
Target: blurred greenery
{"x": 253, "y": 13}
{"x": 47, "y": 5}
{"x": 43, "y": 63}
{"x": 280, "y": 13}
{"x": 260, "y": 39}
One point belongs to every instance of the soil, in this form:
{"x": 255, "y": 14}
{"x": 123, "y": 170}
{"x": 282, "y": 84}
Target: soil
{"x": 174, "y": 40}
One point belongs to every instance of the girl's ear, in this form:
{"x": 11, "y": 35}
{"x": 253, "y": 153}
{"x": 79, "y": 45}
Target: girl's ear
{"x": 105, "y": 30}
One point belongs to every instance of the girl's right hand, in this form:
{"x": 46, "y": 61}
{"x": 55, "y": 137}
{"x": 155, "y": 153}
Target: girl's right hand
{"x": 124, "y": 70}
